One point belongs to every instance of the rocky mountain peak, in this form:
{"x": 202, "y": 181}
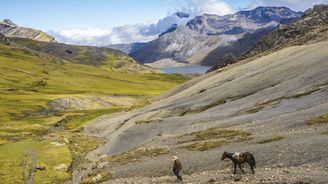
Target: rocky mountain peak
{"x": 9, "y": 22}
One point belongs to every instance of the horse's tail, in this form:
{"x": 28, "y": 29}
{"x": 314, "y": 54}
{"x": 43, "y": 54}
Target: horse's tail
{"x": 253, "y": 160}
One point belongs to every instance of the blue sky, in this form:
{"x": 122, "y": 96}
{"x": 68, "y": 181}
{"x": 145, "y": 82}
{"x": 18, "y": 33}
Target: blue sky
{"x": 61, "y": 14}
{"x": 102, "y": 22}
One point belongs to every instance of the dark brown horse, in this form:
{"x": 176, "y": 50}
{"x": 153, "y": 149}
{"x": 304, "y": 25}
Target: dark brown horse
{"x": 240, "y": 159}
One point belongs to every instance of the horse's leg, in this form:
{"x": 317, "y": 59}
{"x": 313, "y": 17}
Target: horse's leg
{"x": 241, "y": 168}
{"x": 250, "y": 164}
{"x": 234, "y": 167}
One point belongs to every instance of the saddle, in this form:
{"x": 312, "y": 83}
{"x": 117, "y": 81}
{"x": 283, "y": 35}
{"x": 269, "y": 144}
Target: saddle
{"x": 238, "y": 155}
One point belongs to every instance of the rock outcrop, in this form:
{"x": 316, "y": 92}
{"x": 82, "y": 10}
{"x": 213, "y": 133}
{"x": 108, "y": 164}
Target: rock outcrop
{"x": 10, "y": 29}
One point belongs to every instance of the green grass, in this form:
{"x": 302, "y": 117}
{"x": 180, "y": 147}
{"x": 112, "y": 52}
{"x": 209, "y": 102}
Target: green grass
{"x": 323, "y": 119}
{"x": 46, "y": 154}
{"x": 205, "y": 145}
{"x": 216, "y": 133}
{"x": 135, "y": 155}
{"x": 29, "y": 81}
{"x": 271, "y": 139}
{"x": 78, "y": 119}
{"x": 211, "y": 138}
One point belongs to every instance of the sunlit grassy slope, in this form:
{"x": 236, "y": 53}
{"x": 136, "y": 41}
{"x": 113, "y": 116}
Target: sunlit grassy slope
{"x": 109, "y": 59}
{"x": 28, "y": 82}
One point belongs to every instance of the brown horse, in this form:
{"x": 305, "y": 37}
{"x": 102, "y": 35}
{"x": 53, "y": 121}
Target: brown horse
{"x": 240, "y": 159}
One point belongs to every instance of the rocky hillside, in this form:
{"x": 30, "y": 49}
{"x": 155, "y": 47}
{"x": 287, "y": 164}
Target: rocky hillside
{"x": 110, "y": 59}
{"x": 10, "y": 29}
{"x": 195, "y": 42}
{"x": 126, "y": 48}
{"x": 310, "y": 28}
{"x": 274, "y": 106}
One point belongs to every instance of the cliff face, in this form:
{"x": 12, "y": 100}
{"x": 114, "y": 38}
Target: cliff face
{"x": 10, "y": 29}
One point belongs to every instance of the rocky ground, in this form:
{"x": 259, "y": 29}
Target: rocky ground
{"x": 277, "y": 174}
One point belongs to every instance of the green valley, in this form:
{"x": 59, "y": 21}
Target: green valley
{"x": 34, "y": 135}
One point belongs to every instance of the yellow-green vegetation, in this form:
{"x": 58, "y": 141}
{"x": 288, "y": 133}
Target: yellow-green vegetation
{"x": 30, "y": 81}
{"x": 212, "y": 138}
{"x": 271, "y": 139}
{"x": 99, "y": 174}
{"x": 77, "y": 119}
{"x": 135, "y": 155}
{"x": 16, "y": 161}
{"x": 105, "y": 58}
{"x": 205, "y": 145}
{"x": 319, "y": 120}
{"x": 216, "y": 133}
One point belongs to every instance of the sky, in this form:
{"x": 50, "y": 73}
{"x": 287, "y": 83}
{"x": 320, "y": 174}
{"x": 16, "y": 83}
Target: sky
{"x": 103, "y": 22}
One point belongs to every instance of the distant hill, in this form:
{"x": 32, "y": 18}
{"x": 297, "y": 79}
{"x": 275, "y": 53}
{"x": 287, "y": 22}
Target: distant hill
{"x": 10, "y": 29}
{"x": 88, "y": 55}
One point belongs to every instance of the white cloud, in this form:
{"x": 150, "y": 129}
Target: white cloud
{"x": 298, "y": 5}
{"x": 218, "y": 7}
{"x": 143, "y": 32}
{"x": 140, "y": 32}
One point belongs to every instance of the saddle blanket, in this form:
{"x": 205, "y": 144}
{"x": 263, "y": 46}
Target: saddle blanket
{"x": 237, "y": 154}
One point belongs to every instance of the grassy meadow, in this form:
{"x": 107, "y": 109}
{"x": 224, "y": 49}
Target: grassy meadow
{"x": 56, "y": 141}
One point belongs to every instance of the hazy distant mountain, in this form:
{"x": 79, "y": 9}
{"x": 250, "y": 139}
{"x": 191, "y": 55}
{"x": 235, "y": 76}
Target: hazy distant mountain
{"x": 203, "y": 34}
{"x": 10, "y": 29}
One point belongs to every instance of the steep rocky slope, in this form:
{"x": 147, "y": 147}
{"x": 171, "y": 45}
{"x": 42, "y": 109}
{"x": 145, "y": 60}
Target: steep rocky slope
{"x": 310, "y": 28}
{"x": 10, "y": 29}
{"x": 274, "y": 106}
{"x": 207, "y": 34}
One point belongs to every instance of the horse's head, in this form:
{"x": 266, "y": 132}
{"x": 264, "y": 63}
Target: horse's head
{"x": 223, "y": 155}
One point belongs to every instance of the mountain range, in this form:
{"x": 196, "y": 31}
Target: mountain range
{"x": 206, "y": 35}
